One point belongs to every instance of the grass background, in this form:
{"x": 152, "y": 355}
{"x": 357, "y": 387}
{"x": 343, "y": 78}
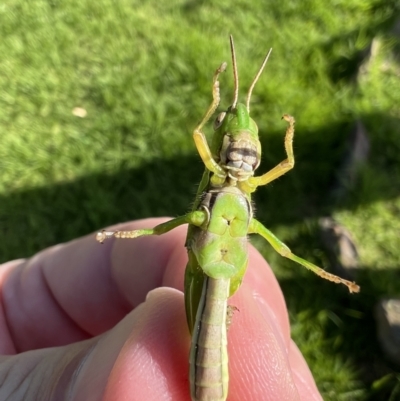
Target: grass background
{"x": 142, "y": 71}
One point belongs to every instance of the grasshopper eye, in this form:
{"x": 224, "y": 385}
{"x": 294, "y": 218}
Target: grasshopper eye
{"x": 219, "y": 120}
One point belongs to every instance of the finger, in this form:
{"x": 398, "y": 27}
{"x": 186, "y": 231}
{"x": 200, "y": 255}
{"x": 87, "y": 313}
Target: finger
{"x": 262, "y": 365}
{"x": 147, "y": 356}
{"x": 258, "y": 352}
{"x": 302, "y": 376}
{"x": 266, "y": 291}
{"x": 143, "y": 356}
{"x": 153, "y": 361}
{"x": 73, "y": 291}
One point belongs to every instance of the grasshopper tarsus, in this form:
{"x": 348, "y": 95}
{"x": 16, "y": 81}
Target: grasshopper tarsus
{"x": 100, "y": 236}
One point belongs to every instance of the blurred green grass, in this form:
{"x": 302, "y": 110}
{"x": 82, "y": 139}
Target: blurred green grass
{"x": 142, "y": 71}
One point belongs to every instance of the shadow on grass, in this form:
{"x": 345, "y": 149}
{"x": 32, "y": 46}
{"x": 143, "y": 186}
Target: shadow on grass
{"x": 33, "y": 219}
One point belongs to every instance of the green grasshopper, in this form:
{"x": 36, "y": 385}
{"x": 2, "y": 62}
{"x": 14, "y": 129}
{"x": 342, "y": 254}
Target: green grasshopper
{"x": 219, "y": 223}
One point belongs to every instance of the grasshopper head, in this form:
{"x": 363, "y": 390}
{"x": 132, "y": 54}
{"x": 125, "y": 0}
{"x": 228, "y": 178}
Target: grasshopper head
{"x": 235, "y": 144}
{"x": 239, "y": 150}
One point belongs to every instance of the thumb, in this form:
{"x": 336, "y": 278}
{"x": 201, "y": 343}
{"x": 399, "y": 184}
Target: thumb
{"x": 143, "y": 356}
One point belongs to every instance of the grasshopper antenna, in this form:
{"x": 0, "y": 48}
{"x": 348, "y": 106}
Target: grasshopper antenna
{"x": 235, "y": 73}
{"x": 248, "y": 97}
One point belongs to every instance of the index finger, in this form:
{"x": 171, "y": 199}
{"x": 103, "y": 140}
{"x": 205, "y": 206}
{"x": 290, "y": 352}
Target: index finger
{"x": 76, "y": 290}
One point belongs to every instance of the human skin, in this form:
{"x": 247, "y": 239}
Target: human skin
{"x": 88, "y": 322}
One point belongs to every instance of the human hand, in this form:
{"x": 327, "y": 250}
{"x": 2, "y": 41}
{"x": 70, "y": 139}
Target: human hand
{"x": 83, "y": 321}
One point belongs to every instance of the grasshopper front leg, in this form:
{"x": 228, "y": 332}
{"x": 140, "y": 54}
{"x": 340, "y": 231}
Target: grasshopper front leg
{"x": 199, "y": 137}
{"x": 283, "y": 167}
{"x": 257, "y": 228}
{"x": 197, "y": 218}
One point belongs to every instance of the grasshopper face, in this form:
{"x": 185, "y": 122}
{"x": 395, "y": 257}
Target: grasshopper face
{"x": 240, "y": 149}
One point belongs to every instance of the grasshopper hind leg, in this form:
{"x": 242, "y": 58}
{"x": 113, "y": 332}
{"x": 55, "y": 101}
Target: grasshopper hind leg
{"x": 257, "y": 228}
